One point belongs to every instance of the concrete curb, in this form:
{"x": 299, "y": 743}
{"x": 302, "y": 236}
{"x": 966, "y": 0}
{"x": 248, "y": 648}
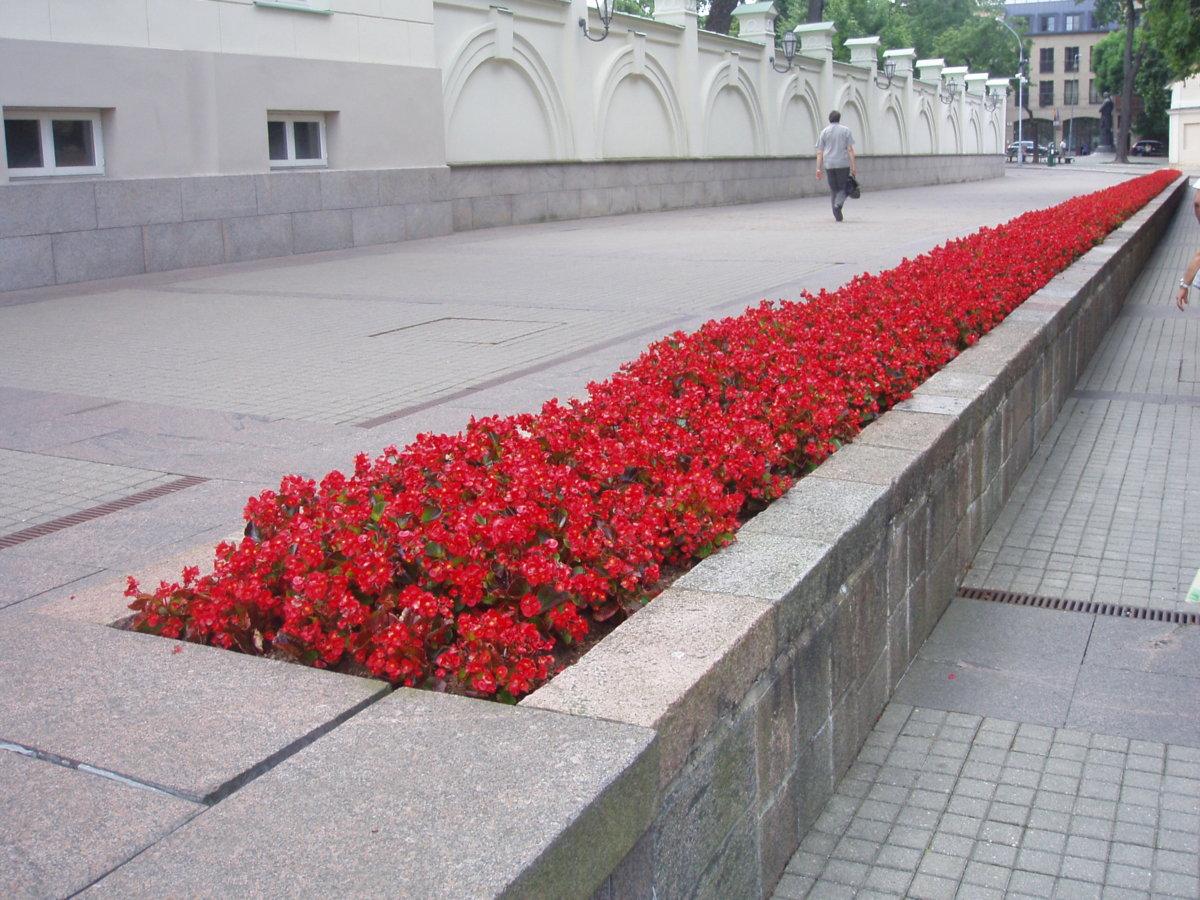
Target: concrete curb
{"x": 690, "y": 751}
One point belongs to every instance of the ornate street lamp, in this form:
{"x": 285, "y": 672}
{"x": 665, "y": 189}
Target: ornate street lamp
{"x": 604, "y": 8}
{"x": 789, "y": 52}
{"x": 952, "y": 89}
{"x": 889, "y": 71}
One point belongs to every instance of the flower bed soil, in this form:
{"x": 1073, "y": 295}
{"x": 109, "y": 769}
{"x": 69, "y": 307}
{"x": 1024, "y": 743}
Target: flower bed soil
{"x": 482, "y": 562}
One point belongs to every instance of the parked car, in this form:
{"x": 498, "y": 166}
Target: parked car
{"x": 1149, "y": 148}
{"x": 1029, "y": 150}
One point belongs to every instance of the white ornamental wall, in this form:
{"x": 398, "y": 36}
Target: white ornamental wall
{"x": 522, "y": 83}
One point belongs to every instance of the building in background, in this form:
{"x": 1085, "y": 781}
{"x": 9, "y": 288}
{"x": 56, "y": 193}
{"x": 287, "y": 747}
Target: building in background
{"x": 1062, "y": 94}
{"x": 1184, "y": 135}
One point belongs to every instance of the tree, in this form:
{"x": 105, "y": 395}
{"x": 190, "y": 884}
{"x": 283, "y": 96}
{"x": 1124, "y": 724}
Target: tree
{"x": 1174, "y": 29}
{"x": 1108, "y": 63}
{"x": 963, "y": 32}
{"x": 1126, "y": 14}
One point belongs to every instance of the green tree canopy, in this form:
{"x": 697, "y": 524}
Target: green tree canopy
{"x": 1173, "y": 27}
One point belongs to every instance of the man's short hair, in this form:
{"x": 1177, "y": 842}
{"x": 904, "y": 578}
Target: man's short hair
{"x": 835, "y": 116}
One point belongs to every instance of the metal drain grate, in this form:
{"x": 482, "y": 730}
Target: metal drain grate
{"x": 95, "y": 512}
{"x": 1082, "y": 606}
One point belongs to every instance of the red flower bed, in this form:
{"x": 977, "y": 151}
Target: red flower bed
{"x": 461, "y": 560}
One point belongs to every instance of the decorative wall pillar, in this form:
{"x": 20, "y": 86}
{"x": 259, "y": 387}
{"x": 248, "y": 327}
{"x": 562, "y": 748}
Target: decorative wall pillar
{"x": 816, "y": 44}
{"x": 756, "y": 22}
{"x": 976, "y": 83}
{"x": 903, "y": 60}
{"x": 682, "y": 13}
{"x": 864, "y": 52}
{"x": 930, "y": 70}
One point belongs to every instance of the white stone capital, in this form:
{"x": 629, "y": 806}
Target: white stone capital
{"x": 816, "y": 40}
{"x": 902, "y": 58}
{"x": 756, "y": 22}
{"x": 864, "y": 51}
{"x": 930, "y": 69}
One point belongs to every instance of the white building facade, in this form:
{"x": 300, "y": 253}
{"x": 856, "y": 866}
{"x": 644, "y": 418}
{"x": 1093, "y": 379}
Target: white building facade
{"x": 1184, "y": 123}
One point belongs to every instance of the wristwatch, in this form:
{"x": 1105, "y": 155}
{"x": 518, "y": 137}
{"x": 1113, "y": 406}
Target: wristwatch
{"x": 1183, "y": 284}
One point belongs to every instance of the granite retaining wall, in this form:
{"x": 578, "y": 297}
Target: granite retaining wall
{"x": 65, "y": 231}
{"x": 684, "y": 757}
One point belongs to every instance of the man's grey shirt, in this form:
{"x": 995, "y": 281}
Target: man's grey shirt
{"x": 835, "y": 141}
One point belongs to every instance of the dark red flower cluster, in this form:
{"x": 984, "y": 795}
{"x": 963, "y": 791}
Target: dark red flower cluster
{"x": 461, "y": 560}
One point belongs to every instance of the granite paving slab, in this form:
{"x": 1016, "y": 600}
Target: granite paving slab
{"x": 1144, "y": 705}
{"x": 52, "y": 850}
{"x": 352, "y": 815}
{"x": 192, "y": 720}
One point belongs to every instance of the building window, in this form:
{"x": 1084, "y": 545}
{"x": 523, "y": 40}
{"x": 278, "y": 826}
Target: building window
{"x": 1073, "y": 22}
{"x": 1045, "y": 93}
{"x": 295, "y": 139}
{"x": 1047, "y": 23}
{"x": 1071, "y": 59}
{"x": 1047, "y": 60}
{"x": 1093, "y": 94}
{"x": 1071, "y": 92}
{"x": 53, "y": 142}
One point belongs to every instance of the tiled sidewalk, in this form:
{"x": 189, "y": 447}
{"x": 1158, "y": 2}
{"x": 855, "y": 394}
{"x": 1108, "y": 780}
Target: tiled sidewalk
{"x": 943, "y": 805}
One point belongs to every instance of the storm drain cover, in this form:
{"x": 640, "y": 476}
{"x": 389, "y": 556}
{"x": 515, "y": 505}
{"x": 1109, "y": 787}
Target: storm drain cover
{"x": 1091, "y": 607}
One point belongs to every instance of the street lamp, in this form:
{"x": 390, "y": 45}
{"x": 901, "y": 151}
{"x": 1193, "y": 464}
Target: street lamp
{"x": 605, "y": 10}
{"x": 952, "y": 89}
{"x": 889, "y": 72}
{"x": 789, "y": 52}
{"x": 1020, "y": 96}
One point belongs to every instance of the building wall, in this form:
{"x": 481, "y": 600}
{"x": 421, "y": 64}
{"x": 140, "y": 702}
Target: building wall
{"x": 1046, "y": 24}
{"x": 1184, "y": 140}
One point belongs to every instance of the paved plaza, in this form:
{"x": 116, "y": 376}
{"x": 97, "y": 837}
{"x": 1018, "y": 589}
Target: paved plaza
{"x": 1029, "y": 751}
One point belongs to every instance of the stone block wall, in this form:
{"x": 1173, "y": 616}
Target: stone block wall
{"x": 70, "y": 231}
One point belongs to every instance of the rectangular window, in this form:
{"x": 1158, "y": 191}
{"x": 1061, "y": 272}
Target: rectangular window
{"x": 1073, "y": 22}
{"x": 53, "y": 142}
{"x": 1071, "y": 59}
{"x": 1093, "y": 94}
{"x": 1047, "y": 60}
{"x": 1071, "y": 92}
{"x": 1045, "y": 93}
{"x": 1047, "y": 23}
{"x": 296, "y": 139}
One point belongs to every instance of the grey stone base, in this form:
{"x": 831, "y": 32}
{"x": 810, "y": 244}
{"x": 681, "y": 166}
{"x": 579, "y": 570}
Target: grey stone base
{"x": 71, "y": 231}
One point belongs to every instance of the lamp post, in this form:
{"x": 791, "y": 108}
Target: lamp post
{"x": 1020, "y": 85}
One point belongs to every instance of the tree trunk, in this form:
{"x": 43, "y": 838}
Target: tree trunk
{"x": 1131, "y": 63}
{"x": 720, "y": 16}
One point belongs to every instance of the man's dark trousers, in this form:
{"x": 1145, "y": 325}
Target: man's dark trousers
{"x": 838, "y": 179}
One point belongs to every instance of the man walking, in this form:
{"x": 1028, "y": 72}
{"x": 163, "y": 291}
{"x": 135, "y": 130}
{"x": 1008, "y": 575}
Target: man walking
{"x": 835, "y": 152}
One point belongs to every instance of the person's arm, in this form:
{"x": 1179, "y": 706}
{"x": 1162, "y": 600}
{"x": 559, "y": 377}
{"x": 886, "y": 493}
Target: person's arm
{"x": 853, "y": 162}
{"x": 1196, "y": 204}
{"x": 1181, "y": 300}
{"x": 820, "y": 159}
